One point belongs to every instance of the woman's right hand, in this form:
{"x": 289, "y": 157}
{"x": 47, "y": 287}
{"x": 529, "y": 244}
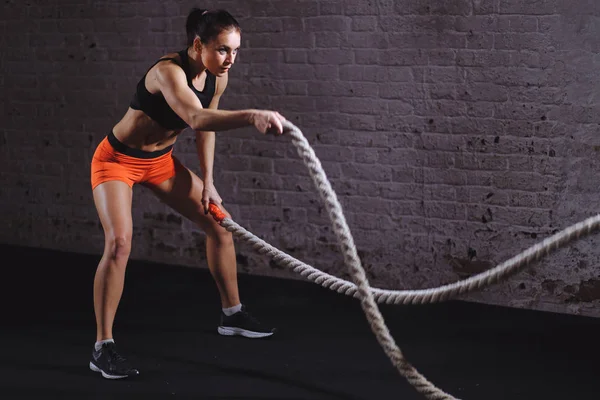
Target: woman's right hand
{"x": 267, "y": 121}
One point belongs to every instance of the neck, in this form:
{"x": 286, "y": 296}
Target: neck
{"x": 194, "y": 61}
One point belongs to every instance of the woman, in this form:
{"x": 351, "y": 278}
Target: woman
{"x": 180, "y": 90}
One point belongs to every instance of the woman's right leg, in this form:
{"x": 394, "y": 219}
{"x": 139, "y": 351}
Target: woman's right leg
{"x": 113, "y": 201}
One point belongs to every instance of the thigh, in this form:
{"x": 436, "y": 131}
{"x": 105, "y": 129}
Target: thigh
{"x": 109, "y": 165}
{"x": 113, "y": 202}
{"x": 183, "y": 193}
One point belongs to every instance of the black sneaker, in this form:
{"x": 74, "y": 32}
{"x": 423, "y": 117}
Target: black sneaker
{"x": 243, "y": 324}
{"x": 110, "y": 363}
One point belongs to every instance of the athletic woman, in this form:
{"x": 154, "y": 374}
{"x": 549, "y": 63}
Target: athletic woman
{"x": 180, "y": 90}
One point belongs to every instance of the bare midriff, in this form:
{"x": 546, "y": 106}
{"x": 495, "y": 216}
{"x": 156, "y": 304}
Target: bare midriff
{"x": 139, "y": 131}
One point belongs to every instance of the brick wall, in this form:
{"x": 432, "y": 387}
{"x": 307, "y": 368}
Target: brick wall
{"x": 456, "y": 134}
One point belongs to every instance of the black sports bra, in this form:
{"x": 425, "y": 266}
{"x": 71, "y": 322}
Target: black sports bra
{"x": 155, "y": 105}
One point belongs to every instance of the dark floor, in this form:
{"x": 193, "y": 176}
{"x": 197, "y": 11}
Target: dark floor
{"x": 325, "y": 349}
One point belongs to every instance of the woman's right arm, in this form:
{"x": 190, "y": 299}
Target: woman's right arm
{"x": 172, "y": 83}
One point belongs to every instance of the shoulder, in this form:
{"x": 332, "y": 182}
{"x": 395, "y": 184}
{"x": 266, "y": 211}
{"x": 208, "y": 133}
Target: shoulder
{"x": 169, "y": 60}
{"x": 171, "y": 55}
{"x": 169, "y": 66}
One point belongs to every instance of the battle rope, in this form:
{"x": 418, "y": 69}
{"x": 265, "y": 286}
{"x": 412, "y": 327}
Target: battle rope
{"x": 361, "y": 288}
{"x": 419, "y": 296}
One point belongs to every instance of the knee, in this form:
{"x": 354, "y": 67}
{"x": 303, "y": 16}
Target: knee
{"x": 221, "y": 236}
{"x": 118, "y": 247}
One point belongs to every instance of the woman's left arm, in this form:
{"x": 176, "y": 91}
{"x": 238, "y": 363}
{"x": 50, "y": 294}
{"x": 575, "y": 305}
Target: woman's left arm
{"x": 205, "y": 147}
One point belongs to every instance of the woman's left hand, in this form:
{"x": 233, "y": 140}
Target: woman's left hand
{"x": 210, "y": 195}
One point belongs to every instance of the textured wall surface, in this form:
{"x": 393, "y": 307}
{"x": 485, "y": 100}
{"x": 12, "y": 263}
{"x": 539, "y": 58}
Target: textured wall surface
{"x": 456, "y": 134}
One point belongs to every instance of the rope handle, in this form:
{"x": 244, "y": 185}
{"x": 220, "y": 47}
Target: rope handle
{"x": 216, "y": 212}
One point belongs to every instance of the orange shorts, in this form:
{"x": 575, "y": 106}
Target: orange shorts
{"x": 114, "y": 161}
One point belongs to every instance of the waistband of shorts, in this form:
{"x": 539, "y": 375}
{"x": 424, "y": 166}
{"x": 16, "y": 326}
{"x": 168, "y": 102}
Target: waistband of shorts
{"x": 137, "y": 153}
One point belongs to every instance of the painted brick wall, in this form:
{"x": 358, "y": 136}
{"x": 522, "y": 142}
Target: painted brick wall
{"x": 456, "y": 134}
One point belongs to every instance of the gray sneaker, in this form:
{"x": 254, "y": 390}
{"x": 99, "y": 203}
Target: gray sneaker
{"x": 243, "y": 324}
{"x": 110, "y": 363}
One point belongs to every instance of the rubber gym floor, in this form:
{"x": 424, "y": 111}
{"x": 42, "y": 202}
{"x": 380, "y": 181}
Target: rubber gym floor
{"x": 324, "y": 348}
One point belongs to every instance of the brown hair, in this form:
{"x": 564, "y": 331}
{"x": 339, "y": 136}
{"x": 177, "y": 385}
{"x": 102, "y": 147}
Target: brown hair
{"x": 208, "y": 24}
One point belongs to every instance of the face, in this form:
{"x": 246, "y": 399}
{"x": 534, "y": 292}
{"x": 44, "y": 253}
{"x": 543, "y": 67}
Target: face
{"x": 219, "y": 54}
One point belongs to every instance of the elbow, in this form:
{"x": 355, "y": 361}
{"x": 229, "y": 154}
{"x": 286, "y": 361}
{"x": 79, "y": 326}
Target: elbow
{"x": 199, "y": 123}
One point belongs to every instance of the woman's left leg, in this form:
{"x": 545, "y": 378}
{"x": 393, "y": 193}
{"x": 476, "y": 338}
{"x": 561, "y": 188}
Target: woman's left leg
{"x": 183, "y": 193}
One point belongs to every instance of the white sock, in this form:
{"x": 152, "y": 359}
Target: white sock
{"x": 99, "y": 344}
{"x": 232, "y": 310}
